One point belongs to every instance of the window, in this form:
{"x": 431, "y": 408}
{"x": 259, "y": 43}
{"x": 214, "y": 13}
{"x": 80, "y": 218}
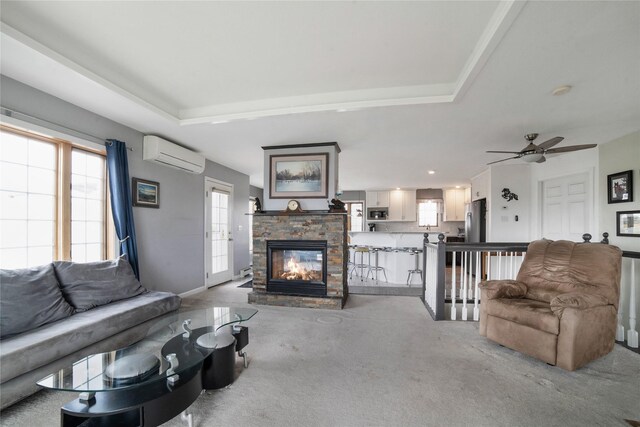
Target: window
{"x": 53, "y": 201}
{"x": 355, "y": 216}
{"x": 428, "y": 213}
{"x": 88, "y": 206}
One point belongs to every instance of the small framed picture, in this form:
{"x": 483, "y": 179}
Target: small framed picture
{"x": 628, "y": 223}
{"x": 620, "y": 187}
{"x": 146, "y": 194}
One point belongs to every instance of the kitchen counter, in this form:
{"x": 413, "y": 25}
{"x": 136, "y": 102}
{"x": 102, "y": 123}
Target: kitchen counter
{"x": 396, "y": 264}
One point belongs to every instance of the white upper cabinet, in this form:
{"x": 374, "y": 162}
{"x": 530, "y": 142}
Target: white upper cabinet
{"x": 377, "y": 199}
{"x": 454, "y": 200}
{"x": 480, "y": 186}
{"x": 402, "y": 205}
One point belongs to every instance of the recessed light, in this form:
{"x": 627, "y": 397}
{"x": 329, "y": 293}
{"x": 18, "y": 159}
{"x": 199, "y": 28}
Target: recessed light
{"x": 457, "y": 186}
{"x": 219, "y": 121}
{"x": 431, "y": 172}
{"x": 561, "y": 90}
{"x": 397, "y": 188}
{"x": 342, "y": 110}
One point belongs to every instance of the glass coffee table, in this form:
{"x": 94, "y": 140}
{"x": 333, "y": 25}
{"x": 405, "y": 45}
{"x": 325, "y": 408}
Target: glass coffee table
{"x": 158, "y": 377}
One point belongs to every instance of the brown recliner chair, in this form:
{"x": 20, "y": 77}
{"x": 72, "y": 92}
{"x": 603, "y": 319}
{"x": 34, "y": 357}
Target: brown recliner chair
{"x": 562, "y": 308}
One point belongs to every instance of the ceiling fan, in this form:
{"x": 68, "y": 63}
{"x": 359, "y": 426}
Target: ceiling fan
{"x": 535, "y": 153}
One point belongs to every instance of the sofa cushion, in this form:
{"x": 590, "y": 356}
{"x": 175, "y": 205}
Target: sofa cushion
{"x": 535, "y": 314}
{"x": 53, "y": 341}
{"x": 30, "y": 297}
{"x": 557, "y": 267}
{"x": 92, "y": 284}
{"x": 494, "y": 289}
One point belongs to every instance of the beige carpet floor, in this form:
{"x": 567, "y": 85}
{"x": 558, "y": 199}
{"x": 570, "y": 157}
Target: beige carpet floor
{"x": 383, "y": 362}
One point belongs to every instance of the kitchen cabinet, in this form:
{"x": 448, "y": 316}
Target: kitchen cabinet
{"x": 480, "y": 186}
{"x": 402, "y": 205}
{"x": 377, "y": 199}
{"x": 454, "y": 204}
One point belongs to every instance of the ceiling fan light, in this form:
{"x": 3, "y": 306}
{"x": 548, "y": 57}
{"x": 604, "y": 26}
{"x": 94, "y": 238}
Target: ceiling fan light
{"x": 561, "y": 90}
{"x": 532, "y": 158}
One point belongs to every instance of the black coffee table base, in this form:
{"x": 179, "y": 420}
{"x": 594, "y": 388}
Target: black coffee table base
{"x": 149, "y": 405}
{"x": 158, "y": 402}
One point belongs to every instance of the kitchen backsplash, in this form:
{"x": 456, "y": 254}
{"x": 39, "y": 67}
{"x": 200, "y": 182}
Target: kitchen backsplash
{"x": 449, "y": 227}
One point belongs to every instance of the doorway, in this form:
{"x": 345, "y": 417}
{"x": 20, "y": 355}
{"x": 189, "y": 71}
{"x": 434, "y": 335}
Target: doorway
{"x": 218, "y": 234}
{"x": 566, "y": 207}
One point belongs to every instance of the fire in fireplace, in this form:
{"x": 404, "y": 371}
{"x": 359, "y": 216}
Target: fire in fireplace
{"x": 297, "y": 267}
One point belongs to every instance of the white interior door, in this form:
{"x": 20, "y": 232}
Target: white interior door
{"x": 566, "y": 207}
{"x": 218, "y": 235}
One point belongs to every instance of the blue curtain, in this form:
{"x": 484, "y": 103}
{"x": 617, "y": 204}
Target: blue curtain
{"x": 121, "y": 207}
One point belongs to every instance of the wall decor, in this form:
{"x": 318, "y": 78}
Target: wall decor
{"x": 628, "y": 223}
{"x": 145, "y": 193}
{"x": 620, "y": 187}
{"x": 508, "y": 195}
{"x": 303, "y": 176}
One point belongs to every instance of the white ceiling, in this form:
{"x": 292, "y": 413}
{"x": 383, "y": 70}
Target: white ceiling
{"x": 427, "y": 85}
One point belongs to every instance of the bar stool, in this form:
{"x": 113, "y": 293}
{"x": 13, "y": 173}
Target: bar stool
{"x": 351, "y": 265}
{"x": 416, "y": 270}
{"x": 376, "y": 267}
{"x": 362, "y": 250}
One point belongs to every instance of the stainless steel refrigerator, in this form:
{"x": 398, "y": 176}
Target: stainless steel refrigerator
{"x": 475, "y": 222}
{"x": 475, "y": 227}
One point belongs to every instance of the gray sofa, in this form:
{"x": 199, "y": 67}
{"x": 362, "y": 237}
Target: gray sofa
{"x": 55, "y": 314}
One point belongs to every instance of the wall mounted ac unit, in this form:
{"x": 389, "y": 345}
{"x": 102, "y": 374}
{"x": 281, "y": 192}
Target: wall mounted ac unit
{"x": 163, "y": 152}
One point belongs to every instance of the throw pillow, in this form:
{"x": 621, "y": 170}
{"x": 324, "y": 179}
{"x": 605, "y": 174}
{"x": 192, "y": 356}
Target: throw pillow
{"x": 92, "y": 284}
{"x": 30, "y": 297}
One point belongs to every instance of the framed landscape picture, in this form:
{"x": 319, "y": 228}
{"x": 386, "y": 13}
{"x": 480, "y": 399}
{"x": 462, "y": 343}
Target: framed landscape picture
{"x": 620, "y": 187}
{"x": 145, "y": 193}
{"x": 300, "y": 176}
{"x": 628, "y": 223}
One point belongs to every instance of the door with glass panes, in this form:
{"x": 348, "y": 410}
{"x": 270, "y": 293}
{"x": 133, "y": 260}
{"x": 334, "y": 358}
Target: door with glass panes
{"x": 218, "y": 235}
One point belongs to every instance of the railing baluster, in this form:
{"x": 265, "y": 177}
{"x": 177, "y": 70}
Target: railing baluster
{"x": 453, "y": 286}
{"x": 499, "y": 265}
{"x": 463, "y": 255}
{"x": 632, "y": 334}
{"x": 476, "y": 310}
{"x": 620, "y": 332}
{"x": 469, "y": 294}
{"x": 464, "y": 287}
{"x": 511, "y": 266}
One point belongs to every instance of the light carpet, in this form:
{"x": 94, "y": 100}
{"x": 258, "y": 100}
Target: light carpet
{"x": 383, "y": 362}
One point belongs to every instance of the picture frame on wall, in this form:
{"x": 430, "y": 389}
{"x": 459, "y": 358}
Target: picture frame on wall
{"x": 301, "y": 176}
{"x": 146, "y": 194}
{"x": 620, "y": 187}
{"x": 628, "y": 223}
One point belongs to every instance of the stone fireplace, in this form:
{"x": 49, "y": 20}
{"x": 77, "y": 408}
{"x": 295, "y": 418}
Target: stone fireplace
{"x": 299, "y": 260}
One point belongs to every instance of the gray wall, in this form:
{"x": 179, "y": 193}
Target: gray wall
{"x": 170, "y": 239}
{"x": 256, "y": 192}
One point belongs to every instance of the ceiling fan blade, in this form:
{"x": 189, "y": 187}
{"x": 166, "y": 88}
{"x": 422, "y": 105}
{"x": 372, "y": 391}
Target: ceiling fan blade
{"x": 570, "y": 148}
{"x": 530, "y": 147}
{"x": 550, "y": 143}
{"x": 542, "y": 160}
{"x": 498, "y": 161}
{"x": 508, "y": 152}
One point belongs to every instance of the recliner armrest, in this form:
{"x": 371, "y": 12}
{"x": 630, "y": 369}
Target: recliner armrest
{"x": 577, "y": 300}
{"x": 494, "y": 289}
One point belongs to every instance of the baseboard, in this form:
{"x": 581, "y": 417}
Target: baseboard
{"x": 192, "y": 292}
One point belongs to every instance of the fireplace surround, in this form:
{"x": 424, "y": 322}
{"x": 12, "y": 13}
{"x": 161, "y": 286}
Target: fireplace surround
{"x": 318, "y": 243}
